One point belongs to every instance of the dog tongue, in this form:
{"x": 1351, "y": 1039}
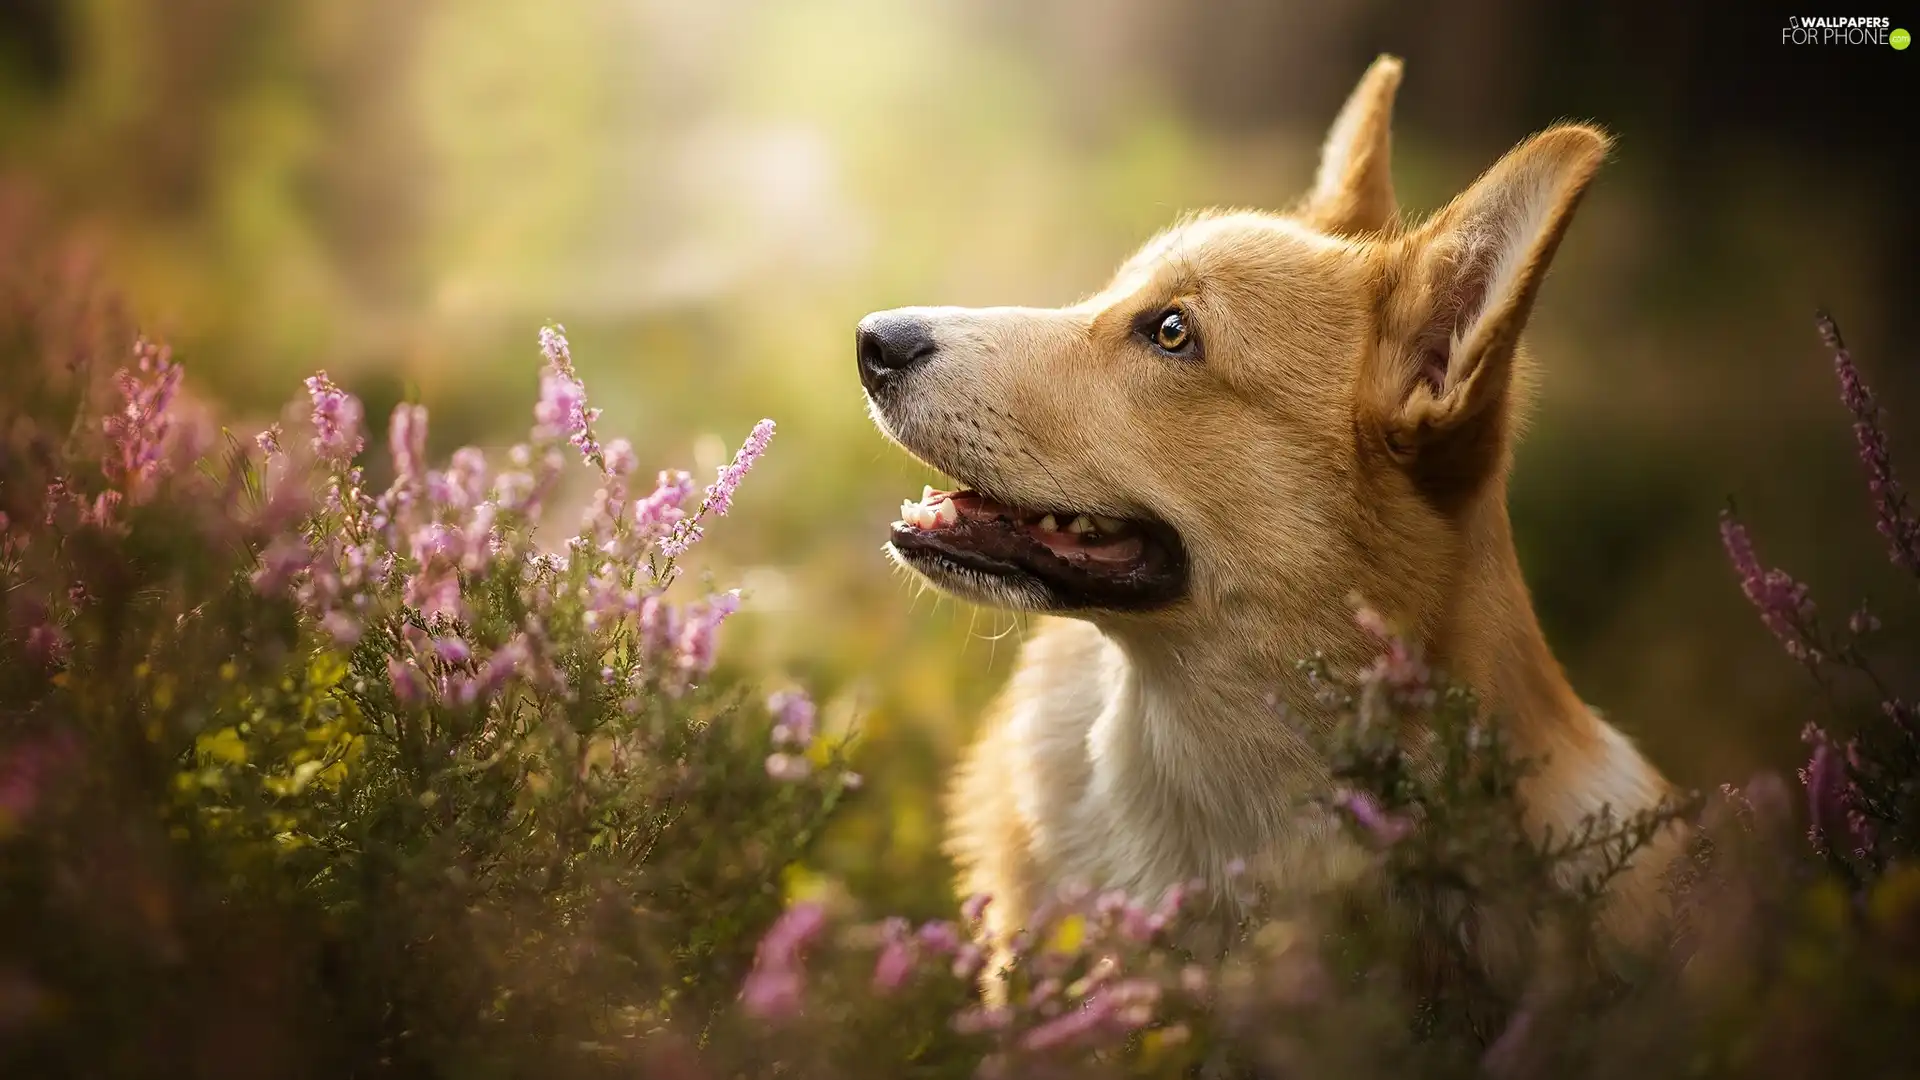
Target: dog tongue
{"x": 1078, "y": 548}
{"x": 939, "y": 510}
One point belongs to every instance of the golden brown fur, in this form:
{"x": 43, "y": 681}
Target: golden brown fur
{"x": 1348, "y": 430}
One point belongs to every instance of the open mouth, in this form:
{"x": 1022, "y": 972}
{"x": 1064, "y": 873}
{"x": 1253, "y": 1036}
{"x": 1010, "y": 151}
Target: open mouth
{"x": 1080, "y": 560}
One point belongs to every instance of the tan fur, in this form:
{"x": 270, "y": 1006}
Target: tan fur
{"x": 1303, "y": 459}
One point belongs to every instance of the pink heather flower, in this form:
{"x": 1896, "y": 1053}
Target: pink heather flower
{"x": 436, "y": 541}
{"x": 137, "y": 435}
{"x": 500, "y": 668}
{"x": 974, "y": 908}
{"x": 284, "y": 559}
{"x": 1382, "y": 828}
{"x": 336, "y": 420}
{"x": 562, "y": 409}
{"x": 553, "y": 346}
{"x": 621, "y": 460}
{"x": 464, "y": 485}
{"x": 685, "y": 534}
{"x": 1133, "y": 1001}
{"x": 894, "y": 966}
{"x": 772, "y": 992}
{"x": 664, "y": 508}
{"x": 1782, "y": 602}
{"x": 940, "y": 937}
{"x": 435, "y": 590}
{"x": 702, "y": 626}
{"x": 968, "y": 961}
{"x": 793, "y": 718}
{"x": 563, "y": 406}
{"x": 788, "y": 767}
{"x": 1139, "y": 925}
{"x": 343, "y": 628}
{"x": 1896, "y": 520}
{"x": 719, "y": 497}
{"x": 1400, "y": 669}
{"x": 793, "y": 931}
{"x": 774, "y": 987}
{"x": 523, "y": 490}
{"x": 409, "y": 683}
{"x": 1832, "y": 807}
{"x": 452, "y": 650}
{"x": 1070, "y": 1027}
{"x": 269, "y": 441}
{"x": 407, "y": 438}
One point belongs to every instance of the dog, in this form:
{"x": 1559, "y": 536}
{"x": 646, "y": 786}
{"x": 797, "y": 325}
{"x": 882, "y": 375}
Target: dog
{"x": 1187, "y": 476}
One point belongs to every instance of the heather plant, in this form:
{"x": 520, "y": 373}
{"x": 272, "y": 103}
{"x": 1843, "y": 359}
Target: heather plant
{"x": 1863, "y": 790}
{"x": 376, "y": 769}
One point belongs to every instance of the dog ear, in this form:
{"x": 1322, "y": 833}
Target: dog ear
{"x": 1353, "y": 190}
{"x": 1457, "y": 292}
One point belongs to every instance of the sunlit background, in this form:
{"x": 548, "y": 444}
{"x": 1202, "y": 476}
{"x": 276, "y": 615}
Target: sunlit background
{"x": 709, "y": 195}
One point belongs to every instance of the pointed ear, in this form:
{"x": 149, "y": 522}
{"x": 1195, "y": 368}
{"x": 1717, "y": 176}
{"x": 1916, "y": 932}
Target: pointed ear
{"x": 1353, "y": 191}
{"x": 1457, "y": 293}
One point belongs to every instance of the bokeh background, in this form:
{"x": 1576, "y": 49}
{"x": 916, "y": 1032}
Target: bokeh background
{"x": 709, "y": 195}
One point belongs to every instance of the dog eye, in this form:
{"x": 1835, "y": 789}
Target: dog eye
{"x": 1171, "y": 333}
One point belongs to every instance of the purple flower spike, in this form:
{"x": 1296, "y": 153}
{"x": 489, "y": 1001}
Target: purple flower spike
{"x": 407, "y": 438}
{"x": 137, "y": 435}
{"x": 336, "y": 420}
{"x": 1896, "y": 521}
{"x": 974, "y": 908}
{"x": 775, "y": 986}
{"x": 562, "y": 409}
{"x": 1782, "y": 602}
{"x": 793, "y": 718}
{"x": 1382, "y": 828}
{"x": 719, "y": 498}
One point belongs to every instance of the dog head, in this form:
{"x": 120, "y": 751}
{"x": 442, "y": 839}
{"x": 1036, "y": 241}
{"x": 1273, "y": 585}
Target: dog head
{"x": 1257, "y": 409}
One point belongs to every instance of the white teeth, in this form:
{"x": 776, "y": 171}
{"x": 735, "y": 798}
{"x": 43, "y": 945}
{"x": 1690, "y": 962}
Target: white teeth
{"x": 1048, "y": 524}
{"x": 922, "y": 516}
{"x": 1108, "y": 525}
{"x": 926, "y": 493}
{"x": 1080, "y": 526}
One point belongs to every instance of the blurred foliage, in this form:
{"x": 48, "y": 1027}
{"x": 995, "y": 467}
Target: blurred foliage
{"x": 709, "y": 196}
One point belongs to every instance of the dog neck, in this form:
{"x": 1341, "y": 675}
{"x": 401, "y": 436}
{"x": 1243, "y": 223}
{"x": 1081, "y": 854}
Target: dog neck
{"x": 1210, "y": 737}
{"x": 1492, "y": 641}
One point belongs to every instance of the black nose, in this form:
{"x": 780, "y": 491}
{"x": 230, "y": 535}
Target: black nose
{"x": 890, "y": 343}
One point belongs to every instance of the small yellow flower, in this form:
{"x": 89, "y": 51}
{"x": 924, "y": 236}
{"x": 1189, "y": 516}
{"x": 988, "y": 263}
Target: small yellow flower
{"x": 1069, "y": 935}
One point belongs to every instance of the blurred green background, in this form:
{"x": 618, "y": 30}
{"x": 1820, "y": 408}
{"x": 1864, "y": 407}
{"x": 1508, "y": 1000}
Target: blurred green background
{"x": 710, "y": 194}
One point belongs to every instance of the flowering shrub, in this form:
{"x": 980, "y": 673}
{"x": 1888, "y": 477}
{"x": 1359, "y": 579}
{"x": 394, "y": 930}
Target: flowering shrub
{"x": 298, "y": 777}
